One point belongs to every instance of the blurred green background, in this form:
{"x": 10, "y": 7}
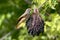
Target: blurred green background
{"x": 10, "y": 10}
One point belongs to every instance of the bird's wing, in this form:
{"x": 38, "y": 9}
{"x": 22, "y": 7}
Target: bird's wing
{"x": 21, "y": 20}
{"x": 22, "y": 16}
{"x": 19, "y": 23}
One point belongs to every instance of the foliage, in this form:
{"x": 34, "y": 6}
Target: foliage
{"x": 10, "y": 10}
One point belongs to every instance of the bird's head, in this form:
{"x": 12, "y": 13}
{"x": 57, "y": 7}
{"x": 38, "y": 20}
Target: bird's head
{"x": 36, "y": 10}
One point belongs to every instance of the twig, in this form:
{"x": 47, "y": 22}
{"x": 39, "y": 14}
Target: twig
{"x": 5, "y": 36}
{"x": 28, "y": 1}
{"x": 42, "y": 4}
{"x": 8, "y": 34}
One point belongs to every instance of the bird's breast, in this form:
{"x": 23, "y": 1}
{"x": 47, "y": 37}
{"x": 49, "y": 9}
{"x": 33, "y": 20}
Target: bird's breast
{"x": 34, "y": 25}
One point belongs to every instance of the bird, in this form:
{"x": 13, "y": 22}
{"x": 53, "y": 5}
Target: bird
{"x": 23, "y": 18}
{"x": 35, "y": 23}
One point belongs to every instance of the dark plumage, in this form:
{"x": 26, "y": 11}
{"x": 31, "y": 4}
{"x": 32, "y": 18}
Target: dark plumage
{"x": 35, "y": 24}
